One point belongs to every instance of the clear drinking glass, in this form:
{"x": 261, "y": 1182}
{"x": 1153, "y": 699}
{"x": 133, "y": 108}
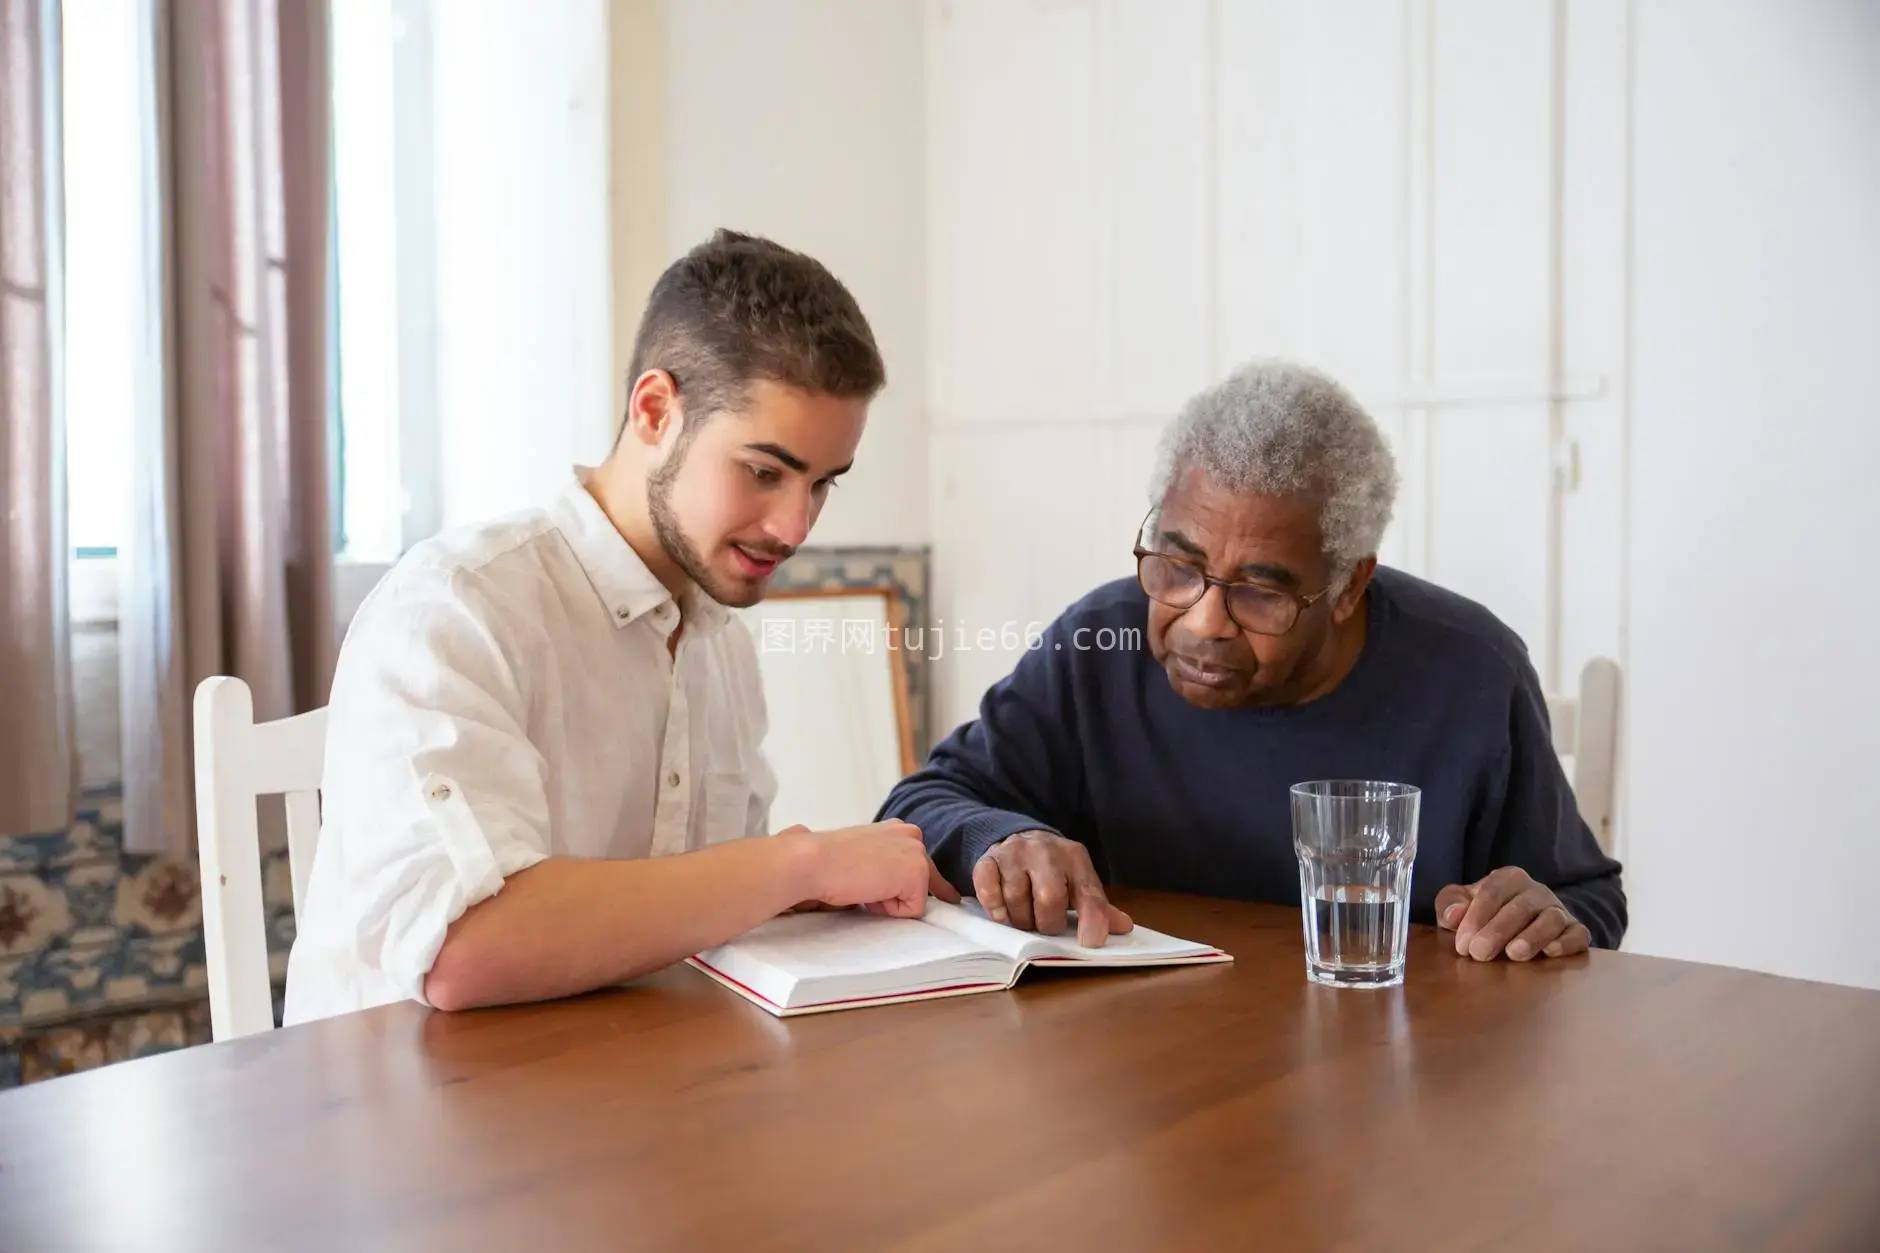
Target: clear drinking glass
{"x": 1357, "y": 843}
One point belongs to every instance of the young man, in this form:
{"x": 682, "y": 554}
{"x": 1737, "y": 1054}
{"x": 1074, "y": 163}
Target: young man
{"x": 544, "y": 739}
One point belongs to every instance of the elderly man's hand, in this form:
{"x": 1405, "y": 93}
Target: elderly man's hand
{"x": 1031, "y": 879}
{"x": 1507, "y": 911}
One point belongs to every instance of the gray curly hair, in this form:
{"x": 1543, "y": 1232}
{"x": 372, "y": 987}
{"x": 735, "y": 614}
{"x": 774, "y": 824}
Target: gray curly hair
{"x": 1278, "y": 428}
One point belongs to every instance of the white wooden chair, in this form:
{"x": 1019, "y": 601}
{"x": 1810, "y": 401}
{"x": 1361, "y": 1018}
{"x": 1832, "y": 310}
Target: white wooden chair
{"x": 1586, "y": 735}
{"x": 238, "y": 760}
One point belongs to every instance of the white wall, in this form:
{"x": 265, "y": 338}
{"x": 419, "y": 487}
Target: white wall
{"x": 1755, "y": 838}
{"x": 802, "y": 120}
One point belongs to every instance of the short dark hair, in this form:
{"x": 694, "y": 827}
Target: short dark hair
{"x": 739, "y": 308}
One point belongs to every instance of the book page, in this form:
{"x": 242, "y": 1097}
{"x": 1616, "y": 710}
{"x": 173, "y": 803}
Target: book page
{"x": 828, "y": 956}
{"x": 1139, "y": 946}
{"x": 822, "y": 943}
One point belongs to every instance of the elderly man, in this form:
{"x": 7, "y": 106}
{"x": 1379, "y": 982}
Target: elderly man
{"x": 1277, "y": 651}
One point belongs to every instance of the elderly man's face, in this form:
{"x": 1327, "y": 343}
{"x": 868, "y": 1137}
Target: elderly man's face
{"x": 1270, "y": 540}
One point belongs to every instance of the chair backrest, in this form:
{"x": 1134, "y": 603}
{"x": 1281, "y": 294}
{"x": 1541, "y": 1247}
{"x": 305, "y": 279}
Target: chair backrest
{"x": 237, "y": 761}
{"x": 1586, "y": 735}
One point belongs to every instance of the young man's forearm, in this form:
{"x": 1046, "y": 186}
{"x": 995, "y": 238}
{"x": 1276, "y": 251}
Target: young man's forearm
{"x": 569, "y": 925}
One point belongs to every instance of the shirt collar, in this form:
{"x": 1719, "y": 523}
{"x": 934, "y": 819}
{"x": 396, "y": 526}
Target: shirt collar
{"x": 625, "y": 586}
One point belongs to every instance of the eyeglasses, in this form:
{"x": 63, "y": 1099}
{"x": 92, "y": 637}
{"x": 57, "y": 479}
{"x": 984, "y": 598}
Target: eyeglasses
{"x": 1252, "y": 607}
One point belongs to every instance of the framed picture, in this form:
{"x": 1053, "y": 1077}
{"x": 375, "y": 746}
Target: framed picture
{"x": 835, "y": 688}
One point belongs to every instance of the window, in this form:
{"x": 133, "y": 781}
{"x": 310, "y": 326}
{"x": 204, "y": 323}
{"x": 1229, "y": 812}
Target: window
{"x": 109, "y": 305}
{"x": 113, "y": 380}
{"x": 382, "y": 298}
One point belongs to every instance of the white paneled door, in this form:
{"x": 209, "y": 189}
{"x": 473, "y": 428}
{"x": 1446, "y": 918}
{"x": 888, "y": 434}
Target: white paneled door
{"x": 1426, "y": 198}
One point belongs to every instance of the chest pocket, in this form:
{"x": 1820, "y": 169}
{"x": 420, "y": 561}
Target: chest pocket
{"x": 727, "y": 806}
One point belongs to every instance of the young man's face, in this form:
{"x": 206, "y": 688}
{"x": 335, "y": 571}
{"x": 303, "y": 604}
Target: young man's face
{"x": 744, "y": 492}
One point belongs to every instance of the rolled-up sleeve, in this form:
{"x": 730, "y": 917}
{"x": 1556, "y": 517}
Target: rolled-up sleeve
{"x": 433, "y": 794}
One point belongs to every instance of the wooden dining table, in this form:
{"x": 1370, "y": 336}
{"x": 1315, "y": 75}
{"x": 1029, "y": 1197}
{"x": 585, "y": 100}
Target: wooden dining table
{"x": 1607, "y": 1101}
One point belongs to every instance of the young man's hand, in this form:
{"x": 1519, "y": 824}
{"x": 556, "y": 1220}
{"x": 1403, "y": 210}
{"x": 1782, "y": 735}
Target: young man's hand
{"x": 882, "y": 866}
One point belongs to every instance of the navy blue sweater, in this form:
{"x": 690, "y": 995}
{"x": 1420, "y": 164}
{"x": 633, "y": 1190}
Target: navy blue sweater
{"x": 1094, "y": 743}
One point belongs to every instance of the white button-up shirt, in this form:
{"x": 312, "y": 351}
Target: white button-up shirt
{"x": 507, "y": 693}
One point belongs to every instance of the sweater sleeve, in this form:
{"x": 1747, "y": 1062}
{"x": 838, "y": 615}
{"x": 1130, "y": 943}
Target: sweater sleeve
{"x": 1535, "y": 824}
{"x": 1017, "y": 767}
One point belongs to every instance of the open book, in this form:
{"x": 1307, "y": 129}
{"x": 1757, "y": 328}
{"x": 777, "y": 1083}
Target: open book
{"x": 811, "y": 962}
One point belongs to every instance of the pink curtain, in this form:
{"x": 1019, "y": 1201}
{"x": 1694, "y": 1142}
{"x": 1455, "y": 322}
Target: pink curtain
{"x": 38, "y": 772}
{"x": 231, "y": 564}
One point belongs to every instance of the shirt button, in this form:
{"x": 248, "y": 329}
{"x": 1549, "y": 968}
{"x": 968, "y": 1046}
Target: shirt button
{"x": 623, "y": 613}
{"x": 672, "y": 779}
{"x": 441, "y": 792}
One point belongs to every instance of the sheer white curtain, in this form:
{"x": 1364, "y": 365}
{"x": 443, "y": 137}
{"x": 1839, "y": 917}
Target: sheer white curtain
{"x": 38, "y": 770}
{"x": 229, "y": 564}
